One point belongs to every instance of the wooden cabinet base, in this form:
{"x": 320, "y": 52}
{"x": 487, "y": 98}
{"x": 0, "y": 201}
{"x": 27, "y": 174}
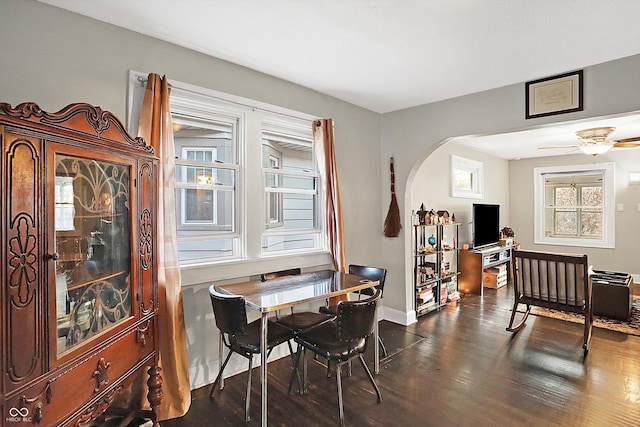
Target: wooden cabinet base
{"x": 473, "y": 264}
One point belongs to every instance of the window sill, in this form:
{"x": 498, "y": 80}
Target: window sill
{"x": 243, "y": 269}
{"x": 583, "y": 243}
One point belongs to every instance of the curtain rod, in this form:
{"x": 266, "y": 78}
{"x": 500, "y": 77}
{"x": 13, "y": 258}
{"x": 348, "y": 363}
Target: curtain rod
{"x": 143, "y": 81}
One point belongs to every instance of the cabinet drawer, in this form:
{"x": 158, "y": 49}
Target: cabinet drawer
{"x": 94, "y": 378}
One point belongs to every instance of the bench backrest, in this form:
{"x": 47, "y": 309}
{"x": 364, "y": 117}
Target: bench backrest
{"x": 551, "y": 278}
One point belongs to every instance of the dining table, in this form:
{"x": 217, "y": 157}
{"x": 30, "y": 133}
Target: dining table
{"x": 284, "y": 292}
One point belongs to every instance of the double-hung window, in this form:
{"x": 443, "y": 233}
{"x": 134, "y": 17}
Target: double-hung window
{"x": 246, "y": 179}
{"x": 206, "y": 189}
{"x": 290, "y": 187}
{"x": 574, "y": 205}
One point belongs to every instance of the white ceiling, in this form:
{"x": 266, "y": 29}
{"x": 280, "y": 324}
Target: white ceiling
{"x": 524, "y": 144}
{"x": 386, "y": 55}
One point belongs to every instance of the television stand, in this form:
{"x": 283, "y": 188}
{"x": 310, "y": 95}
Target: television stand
{"x": 473, "y": 262}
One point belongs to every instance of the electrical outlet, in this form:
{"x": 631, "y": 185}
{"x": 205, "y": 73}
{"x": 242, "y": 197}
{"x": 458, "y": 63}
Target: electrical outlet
{"x": 620, "y": 207}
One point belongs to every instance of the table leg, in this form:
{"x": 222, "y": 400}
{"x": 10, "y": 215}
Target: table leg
{"x": 263, "y": 367}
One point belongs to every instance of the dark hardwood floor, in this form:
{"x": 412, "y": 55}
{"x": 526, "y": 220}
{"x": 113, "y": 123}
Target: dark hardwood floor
{"x": 458, "y": 367}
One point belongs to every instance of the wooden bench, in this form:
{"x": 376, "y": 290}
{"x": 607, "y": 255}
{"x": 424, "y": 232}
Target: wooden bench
{"x": 556, "y": 281}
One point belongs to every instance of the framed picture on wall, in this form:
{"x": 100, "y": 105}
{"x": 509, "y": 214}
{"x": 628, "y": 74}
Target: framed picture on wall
{"x": 554, "y": 95}
{"x": 467, "y": 178}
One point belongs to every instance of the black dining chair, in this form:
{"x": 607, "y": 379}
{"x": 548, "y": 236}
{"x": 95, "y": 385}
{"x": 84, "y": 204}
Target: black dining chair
{"x": 241, "y": 337}
{"x": 296, "y": 321}
{"x": 340, "y": 341}
{"x": 373, "y": 274}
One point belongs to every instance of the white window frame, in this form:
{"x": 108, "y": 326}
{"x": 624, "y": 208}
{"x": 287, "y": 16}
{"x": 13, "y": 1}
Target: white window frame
{"x": 199, "y": 185}
{"x": 275, "y": 161}
{"x": 474, "y": 171}
{"x": 292, "y": 130}
{"x": 608, "y": 213}
{"x": 249, "y": 225}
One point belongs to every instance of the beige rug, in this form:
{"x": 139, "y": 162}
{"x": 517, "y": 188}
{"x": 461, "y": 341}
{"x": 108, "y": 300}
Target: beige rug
{"x": 632, "y": 327}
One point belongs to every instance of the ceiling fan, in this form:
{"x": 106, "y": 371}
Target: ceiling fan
{"x": 594, "y": 141}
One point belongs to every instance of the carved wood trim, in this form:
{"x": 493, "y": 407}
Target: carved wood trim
{"x": 99, "y": 119}
{"x": 154, "y": 396}
{"x": 98, "y": 408}
{"x": 36, "y": 410}
{"x": 22, "y": 254}
{"x": 146, "y": 239}
{"x": 101, "y": 375}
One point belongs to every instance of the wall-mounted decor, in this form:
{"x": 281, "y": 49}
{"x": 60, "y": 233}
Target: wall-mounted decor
{"x": 554, "y": 95}
{"x": 467, "y": 178}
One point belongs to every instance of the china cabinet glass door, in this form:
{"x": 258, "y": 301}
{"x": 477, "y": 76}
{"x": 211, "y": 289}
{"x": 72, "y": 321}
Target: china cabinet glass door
{"x": 93, "y": 256}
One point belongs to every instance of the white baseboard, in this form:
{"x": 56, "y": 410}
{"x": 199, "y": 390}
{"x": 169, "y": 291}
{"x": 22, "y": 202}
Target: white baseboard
{"x": 397, "y": 316}
{"x": 206, "y": 373}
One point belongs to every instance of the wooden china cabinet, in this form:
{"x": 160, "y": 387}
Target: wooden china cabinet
{"x": 78, "y": 292}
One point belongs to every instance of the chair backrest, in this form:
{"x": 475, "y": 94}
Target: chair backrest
{"x": 230, "y": 312}
{"x": 356, "y": 319}
{"x": 290, "y": 272}
{"x": 371, "y": 273}
{"x": 554, "y": 278}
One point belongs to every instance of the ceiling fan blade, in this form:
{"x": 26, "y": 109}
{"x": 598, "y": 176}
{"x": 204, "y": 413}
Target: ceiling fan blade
{"x": 547, "y": 147}
{"x": 632, "y": 139}
{"x": 627, "y": 144}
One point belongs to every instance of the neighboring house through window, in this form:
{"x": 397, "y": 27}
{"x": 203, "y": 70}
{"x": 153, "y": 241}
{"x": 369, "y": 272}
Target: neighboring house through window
{"x": 291, "y": 188}
{"x": 246, "y": 180}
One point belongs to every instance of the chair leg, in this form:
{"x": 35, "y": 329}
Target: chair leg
{"x": 339, "y": 385}
{"x": 296, "y": 371}
{"x": 520, "y": 325}
{"x": 382, "y": 347}
{"x": 215, "y": 383}
{"x": 247, "y": 404}
{"x": 373, "y": 382}
{"x": 304, "y": 370}
{"x": 588, "y": 325}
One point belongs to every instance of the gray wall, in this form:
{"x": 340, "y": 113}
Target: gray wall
{"x": 54, "y": 58}
{"x": 432, "y": 186}
{"x": 624, "y": 257}
{"x": 510, "y": 184}
{"x": 411, "y": 135}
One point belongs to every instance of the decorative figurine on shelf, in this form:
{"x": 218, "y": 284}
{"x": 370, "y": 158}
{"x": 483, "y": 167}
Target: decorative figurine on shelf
{"x": 433, "y": 217}
{"x": 453, "y": 218}
{"x": 443, "y": 217}
{"x": 432, "y": 240}
{"x": 422, "y": 213}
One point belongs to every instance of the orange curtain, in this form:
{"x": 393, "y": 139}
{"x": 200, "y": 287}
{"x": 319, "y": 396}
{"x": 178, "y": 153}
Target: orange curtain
{"x": 155, "y": 127}
{"x": 326, "y": 154}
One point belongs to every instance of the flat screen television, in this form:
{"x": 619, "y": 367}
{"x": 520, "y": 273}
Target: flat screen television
{"x": 486, "y": 225}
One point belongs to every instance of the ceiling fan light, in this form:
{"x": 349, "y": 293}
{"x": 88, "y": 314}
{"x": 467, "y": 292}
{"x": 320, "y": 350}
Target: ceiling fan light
{"x": 595, "y": 134}
{"x": 595, "y": 149}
